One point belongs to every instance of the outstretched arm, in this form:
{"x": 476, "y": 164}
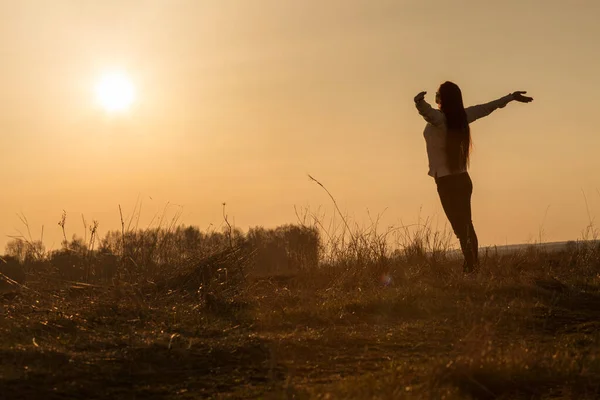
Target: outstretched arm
{"x": 430, "y": 115}
{"x": 482, "y": 110}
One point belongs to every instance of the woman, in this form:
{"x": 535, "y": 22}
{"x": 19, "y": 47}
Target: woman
{"x": 448, "y": 140}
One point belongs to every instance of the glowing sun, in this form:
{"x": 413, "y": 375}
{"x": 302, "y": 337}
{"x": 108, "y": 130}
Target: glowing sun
{"x": 115, "y": 92}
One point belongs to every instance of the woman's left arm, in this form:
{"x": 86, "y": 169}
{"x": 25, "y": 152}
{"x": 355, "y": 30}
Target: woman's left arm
{"x": 482, "y": 110}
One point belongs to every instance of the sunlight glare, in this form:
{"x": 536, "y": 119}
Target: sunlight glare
{"x": 115, "y": 92}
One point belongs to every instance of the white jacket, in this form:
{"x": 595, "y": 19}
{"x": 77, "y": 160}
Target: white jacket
{"x": 435, "y": 131}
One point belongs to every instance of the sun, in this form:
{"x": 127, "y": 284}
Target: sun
{"x": 115, "y": 92}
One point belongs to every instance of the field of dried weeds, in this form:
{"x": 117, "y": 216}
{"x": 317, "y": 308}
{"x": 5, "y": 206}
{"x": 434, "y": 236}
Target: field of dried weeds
{"x": 293, "y": 313}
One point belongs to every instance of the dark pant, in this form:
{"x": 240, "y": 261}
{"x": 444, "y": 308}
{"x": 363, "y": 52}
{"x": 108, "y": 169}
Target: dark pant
{"x": 455, "y": 193}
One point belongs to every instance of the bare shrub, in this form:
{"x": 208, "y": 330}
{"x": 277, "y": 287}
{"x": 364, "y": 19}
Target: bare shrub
{"x": 25, "y": 251}
{"x": 287, "y": 249}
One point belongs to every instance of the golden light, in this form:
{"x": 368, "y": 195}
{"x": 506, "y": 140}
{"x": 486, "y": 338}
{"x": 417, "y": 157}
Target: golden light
{"x": 115, "y": 92}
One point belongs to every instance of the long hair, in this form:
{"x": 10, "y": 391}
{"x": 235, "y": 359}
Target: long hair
{"x": 458, "y": 142}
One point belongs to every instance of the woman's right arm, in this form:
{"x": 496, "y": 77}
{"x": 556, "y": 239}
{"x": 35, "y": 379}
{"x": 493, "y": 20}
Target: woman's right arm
{"x": 434, "y": 117}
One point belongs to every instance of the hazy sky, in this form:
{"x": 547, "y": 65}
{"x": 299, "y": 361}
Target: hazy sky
{"x": 236, "y": 101}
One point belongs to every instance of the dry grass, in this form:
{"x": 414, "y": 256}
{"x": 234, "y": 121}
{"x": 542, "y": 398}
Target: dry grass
{"x": 381, "y": 315}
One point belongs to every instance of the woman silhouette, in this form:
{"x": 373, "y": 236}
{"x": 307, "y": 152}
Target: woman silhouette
{"x": 448, "y": 140}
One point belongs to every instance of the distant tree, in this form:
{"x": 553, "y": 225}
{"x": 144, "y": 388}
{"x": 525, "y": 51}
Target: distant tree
{"x": 285, "y": 249}
{"x": 17, "y": 249}
{"x": 25, "y": 251}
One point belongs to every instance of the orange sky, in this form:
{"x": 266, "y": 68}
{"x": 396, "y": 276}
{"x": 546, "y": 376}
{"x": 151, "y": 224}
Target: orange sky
{"x": 238, "y": 100}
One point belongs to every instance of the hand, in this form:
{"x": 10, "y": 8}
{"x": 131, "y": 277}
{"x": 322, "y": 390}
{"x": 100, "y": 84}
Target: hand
{"x": 518, "y": 96}
{"x": 420, "y": 97}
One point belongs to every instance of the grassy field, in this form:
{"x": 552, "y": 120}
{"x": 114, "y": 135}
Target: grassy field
{"x": 406, "y": 324}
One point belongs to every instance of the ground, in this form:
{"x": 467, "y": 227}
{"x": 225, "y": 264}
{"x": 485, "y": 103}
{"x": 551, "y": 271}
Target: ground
{"x": 515, "y": 330}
